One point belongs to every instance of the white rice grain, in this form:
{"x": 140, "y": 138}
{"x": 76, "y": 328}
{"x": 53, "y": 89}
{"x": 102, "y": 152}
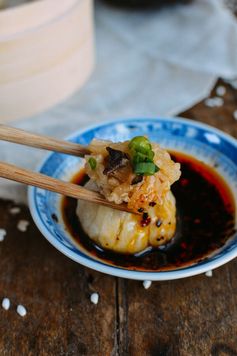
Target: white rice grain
{"x": 214, "y": 102}
{"x": 21, "y": 310}
{"x": 94, "y": 298}
{"x": 15, "y": 210}
{"x": 220, "y": 90}
{"x": 6, "y": 303}
{"x": 2, "y": 234}
{"x": 22, "y": 225}
{"x": 146, "y": 284}
{"x": 208, "y": 273}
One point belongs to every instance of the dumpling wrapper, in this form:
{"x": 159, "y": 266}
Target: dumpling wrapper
{"x": 121, "y": 231}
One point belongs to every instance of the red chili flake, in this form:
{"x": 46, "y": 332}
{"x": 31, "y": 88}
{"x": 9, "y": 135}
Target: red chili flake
{"x": 152, "y": 203}
{"x": 145, "y": 220}
{"x": 184, "y": 182}
{"x": 197, "y": 221}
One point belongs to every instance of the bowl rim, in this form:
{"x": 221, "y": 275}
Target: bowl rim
{"x": 114, "y": 270}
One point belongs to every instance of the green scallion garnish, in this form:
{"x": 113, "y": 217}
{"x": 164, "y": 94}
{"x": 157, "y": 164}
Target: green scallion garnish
{"x": 92, "y": 162}
{"x": 140, "y": 144}
{"x": 145, "y": 168}
{"x": 142, "y": 156}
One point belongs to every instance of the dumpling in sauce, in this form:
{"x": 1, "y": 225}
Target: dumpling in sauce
{"x": 121, "y": 176}
{"x": 125, "y": 232}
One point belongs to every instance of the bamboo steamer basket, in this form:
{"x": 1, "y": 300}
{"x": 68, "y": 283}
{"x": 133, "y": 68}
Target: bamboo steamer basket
{"x": 46, "y": 53}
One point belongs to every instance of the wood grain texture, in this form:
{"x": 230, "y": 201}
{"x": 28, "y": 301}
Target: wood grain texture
{"x": 61, "y": 320}
{"x": 196, "y": 316}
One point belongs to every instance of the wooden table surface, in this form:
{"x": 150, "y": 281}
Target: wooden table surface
{"x": 194, "y": 316}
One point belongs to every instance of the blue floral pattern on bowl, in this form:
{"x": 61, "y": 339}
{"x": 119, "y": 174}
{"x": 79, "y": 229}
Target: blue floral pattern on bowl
{"x": 204, "y": 142}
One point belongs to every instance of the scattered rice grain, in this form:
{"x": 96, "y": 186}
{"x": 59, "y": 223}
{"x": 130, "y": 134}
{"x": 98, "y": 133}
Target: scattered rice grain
{"x": 15, "y": 210}
{"x": 146, "y": 284}
{"x": 214, "y": 102}
{"x": 2, "y": 234}
{"x": 22, "y": 225}
{"x": 21, "y": 310}
{"x": 220, "y": 90}
{"x": 6, "y": 303}
{"x": 208, "y": 273}
{"x": 94, "y": 298}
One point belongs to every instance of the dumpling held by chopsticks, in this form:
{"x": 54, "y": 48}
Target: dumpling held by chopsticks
{"x": 140, "y": 174}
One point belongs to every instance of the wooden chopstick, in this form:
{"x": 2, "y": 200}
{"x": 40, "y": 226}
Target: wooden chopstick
{"x": 28, "y": 177}
{"x": 22, "y": 137}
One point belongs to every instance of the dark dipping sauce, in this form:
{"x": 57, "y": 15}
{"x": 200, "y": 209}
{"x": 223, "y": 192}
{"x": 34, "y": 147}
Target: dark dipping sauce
{"x": 205, "y": 221}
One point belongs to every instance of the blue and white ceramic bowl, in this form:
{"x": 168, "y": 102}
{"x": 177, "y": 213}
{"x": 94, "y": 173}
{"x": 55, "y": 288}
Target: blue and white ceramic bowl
{"x": 201, "y": 141}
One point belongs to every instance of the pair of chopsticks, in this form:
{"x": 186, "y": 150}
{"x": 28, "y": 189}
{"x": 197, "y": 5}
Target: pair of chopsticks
{"x": 28, "y": 177}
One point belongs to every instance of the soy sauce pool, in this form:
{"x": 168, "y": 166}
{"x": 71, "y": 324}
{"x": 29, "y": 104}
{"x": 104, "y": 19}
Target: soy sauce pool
{"x": 205, "y": 221}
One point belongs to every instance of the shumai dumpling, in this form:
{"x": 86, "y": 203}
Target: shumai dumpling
{"x": 140, "y": 174}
